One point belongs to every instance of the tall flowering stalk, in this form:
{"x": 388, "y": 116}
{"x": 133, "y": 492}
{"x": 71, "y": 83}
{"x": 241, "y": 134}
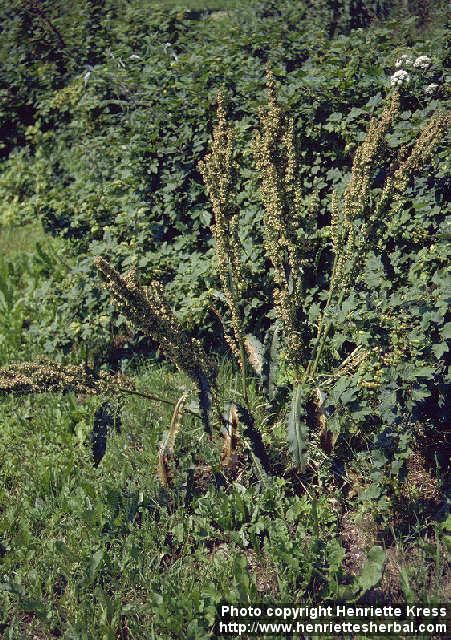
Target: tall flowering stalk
{"x": 348, "y": 224}
{"x": 149, "y": 311}
{"x": 276, "y": 162}
{"x": 218, "y": 170}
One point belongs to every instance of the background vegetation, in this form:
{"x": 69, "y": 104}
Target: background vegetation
{"x": 106, "y": 109}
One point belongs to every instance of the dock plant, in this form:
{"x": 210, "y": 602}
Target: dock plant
{"x": 219, "y": 170}
{"x": 288, "y": 221}
{"x": 292, "y": 239}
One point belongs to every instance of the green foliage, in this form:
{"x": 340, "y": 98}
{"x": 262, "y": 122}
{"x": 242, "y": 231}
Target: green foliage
{"x": 110, "y": 158}
{"x": 79, "y": 529}
{"x": 27, "y": 258}
{"x": 108, "y": 161}
{"x": 69, "y": 530}
{"x": 297, "y": 426}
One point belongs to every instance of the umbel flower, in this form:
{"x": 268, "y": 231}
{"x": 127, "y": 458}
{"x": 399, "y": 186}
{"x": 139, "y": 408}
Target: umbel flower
{"x": 399, "y": 77}
{"x": 404, "y": 60}
{"x": 422, "y": 62}
{"x": 431, "y": 88}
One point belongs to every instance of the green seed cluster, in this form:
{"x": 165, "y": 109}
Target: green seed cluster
{"x": 25, "y": 378}
{"x": 149, "y": 311}
{"x": 218, "y": 170}
{"x": 276, "y": 161}
{"x": 397, "y": 183}
{"x": 347, "y": 237}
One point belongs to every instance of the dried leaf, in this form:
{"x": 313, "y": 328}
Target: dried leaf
{"x": 255, "y": 353}
{"x": 167, "y": 446}
{"x": 230, "y": 437}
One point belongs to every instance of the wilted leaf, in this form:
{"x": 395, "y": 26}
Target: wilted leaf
{"x": 230, "y": 435}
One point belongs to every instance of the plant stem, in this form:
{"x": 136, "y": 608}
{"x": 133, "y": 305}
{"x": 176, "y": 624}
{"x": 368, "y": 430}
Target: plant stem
{"x": 237, "y": 316}
{"x": 150, "y": 396}
{"x": 243, "y": 373}
{"x": 320, "y": 342}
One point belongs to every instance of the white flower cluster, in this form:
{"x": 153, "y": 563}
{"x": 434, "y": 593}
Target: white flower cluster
{"x": 403, "y": 60}
{"x": 422, "y": 62}
{"x": 399, "y": 77}
{"x": 431, "y": 88}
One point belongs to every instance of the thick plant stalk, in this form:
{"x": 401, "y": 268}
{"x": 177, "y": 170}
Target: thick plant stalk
{"x": 168, "y": 446}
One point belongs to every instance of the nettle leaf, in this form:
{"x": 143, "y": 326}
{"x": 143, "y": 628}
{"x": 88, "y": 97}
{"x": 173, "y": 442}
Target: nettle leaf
{"x": 439, "y": 349}
{"x": 298, "y": 432}
{"x": 372, "y": 492}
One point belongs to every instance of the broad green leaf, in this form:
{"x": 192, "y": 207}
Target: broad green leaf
{"x": 94, "y": 564}
{"x": 297, "y": 427}
{"x": 371, "y": 571}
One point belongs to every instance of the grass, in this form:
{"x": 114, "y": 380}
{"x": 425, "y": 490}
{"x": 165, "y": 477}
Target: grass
{"x": 198, "y": 5}
{"x": 104, "y": 552}
{"x": 19, "y": 240}
{"x": 90, "y": 551}
{"x": 26, "y": 256}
